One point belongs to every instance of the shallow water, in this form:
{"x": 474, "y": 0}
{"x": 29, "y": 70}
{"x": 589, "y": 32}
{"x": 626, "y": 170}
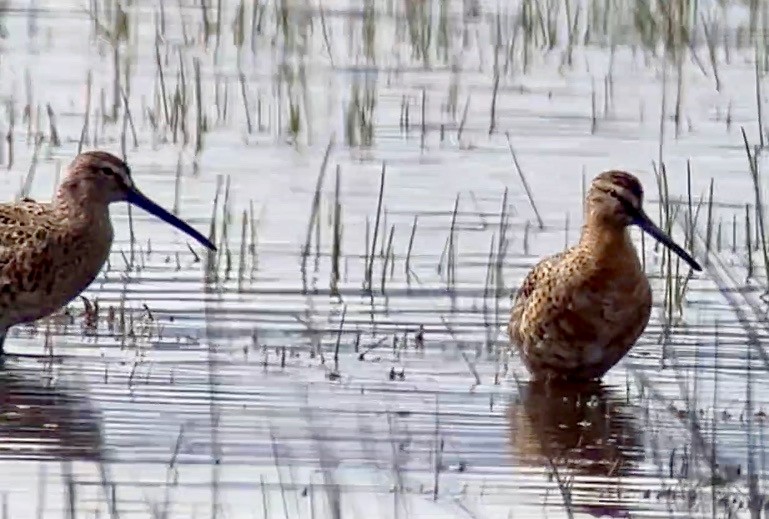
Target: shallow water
{"x": 249, "y": 385}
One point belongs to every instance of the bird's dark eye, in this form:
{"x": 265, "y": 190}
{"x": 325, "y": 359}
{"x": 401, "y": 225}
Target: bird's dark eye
{"x": 108, "y": 171}
{"x": 624, "y": 202}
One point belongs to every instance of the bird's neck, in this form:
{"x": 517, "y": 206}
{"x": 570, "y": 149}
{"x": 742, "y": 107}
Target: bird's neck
{"x": 81, "y": 206}
{"x": 89, "y": 225}
{"x": 608, "y": 241}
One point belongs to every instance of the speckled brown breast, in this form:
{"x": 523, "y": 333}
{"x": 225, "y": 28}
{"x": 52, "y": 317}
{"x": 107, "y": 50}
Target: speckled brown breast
{"x": 45, "y": 260}
{"x": 577, "y": 314}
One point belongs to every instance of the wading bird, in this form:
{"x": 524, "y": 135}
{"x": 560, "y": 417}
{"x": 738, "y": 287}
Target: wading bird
{"x": 51, "y": 251}
{"x": 577, "y": 313}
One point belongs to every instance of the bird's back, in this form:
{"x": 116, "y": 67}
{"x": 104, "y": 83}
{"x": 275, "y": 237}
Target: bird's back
{"x": 45, "y": 259}
{"x": 577, "y": 313}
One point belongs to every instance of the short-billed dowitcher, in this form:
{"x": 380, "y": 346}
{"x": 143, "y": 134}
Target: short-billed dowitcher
{"x": 577, "y": 313}
{"x": 51, "y": 251}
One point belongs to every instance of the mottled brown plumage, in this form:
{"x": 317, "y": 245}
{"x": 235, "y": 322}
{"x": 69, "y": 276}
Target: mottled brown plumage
{"x": 577, "y": 313}
{"x": 51, "y": 251}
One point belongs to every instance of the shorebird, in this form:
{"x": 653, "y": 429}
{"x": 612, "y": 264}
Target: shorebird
{"x": 577, "y": 313}
{"x": 51, "y": 251}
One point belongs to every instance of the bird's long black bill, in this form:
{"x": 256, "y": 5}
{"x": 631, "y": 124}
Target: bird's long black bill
{"x": 645, "y": 223}
{"x": 138, "y": 199}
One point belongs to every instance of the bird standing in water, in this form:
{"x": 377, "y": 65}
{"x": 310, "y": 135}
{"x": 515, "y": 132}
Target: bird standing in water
{"x": 577, "y": 313}
{"x": 51, "y": 251}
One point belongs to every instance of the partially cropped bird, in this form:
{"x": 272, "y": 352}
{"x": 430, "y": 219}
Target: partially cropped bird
{"x": 51, "y": 251}
{"x": 577, "y": 313}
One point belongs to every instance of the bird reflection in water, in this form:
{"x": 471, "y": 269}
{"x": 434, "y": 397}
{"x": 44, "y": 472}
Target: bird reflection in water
{"x": 582, "y": 430}
{"x": 45, "y": 421}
